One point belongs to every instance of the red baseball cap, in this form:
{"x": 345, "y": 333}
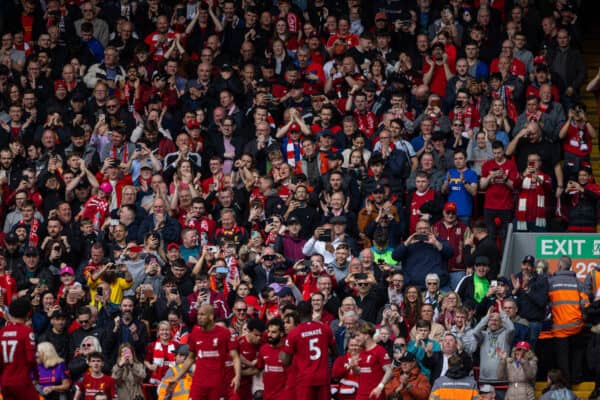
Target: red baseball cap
{"x": 450, "y": 206}
{"x": 172, "y": 246}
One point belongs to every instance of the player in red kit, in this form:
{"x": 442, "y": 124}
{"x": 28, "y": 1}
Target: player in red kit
{"x": 209, "y": 346}
{"x": 274, "y": 373}
{"x": 249, "y": 344}
{"x": 17, "y": 353}
{"x": 307, "y": 348}
{"x": 375, "y": 368}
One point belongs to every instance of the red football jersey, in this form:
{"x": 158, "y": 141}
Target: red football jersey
{"x": 212, "y": 350}
{"x": 418, "y": 199}
{"x": 274, "y": 373}
{"x": 89, "y": 386}
{"x": 17, "y": 353}
{"x": 309, "y": 344}
{"x": 9, "y": 287}
{"x": 498, "y": 196}
{"x": 371, "y": 365}
{"x": 249, "y": 351}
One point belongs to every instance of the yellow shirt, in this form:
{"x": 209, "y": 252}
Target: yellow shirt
{"x": 116, "y": 290}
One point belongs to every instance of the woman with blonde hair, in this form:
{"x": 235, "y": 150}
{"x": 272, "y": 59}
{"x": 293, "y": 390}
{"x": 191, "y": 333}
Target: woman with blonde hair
{"x": 128, "y": 373}
{"x": 160, "y": 354}
{"x": 519, "y": 370}
{"x": 53, "y": 379}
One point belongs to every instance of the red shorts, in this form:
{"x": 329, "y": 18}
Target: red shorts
{"x": 313, "y": 392}
{"x": 19, "y": 392}
{"x": 206, "y": 393}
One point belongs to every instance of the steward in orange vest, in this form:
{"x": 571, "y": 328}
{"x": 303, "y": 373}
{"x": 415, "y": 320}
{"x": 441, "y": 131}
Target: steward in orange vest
{"x": 456, "y": 384}
{"x": 567, "y": 302}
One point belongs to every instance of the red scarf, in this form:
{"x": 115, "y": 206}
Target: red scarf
{"x": 504, "y": 93}
{"x": 163, "y": 356}
{"x": 97, "y": 210}
{"x": 125, "y": 154}
{"x": 290, "y": 151}
{"x": 33, "y": 239}
{"x": 531, "y": 206}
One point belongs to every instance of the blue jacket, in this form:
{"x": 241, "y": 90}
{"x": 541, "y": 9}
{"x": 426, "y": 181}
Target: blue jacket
{"x": 420, "y": 259}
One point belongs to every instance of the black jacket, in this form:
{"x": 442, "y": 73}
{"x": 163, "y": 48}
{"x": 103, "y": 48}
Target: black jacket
{"x": 61, "y": 342}
{"x": 435, "y": 363}
{"x": 486, "y": 247}
{"x": 532, "y": 302}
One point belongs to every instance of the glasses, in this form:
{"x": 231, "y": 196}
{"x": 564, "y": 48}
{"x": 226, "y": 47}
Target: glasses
{"x": 458, "y": 125}
{"x": 362, "y": 284}
{"x": 242, "y": 310}
{"x": 431, "y": 283}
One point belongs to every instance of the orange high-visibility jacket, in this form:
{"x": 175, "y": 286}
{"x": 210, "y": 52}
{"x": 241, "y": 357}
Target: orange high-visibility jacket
{"x": 567, "y": 301}
{"x": 446, "y": 388}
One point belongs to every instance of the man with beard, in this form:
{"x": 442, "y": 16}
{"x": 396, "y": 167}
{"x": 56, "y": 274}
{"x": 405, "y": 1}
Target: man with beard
{"x": 300, "y": 209}
{"x": 197, "y": 218}
{"x": 274, "y": 373}
{"x": 9, "y": 172}
{"x": 125, "y": 329}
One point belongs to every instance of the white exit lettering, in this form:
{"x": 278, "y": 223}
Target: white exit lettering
{"x": 564, "y": 247}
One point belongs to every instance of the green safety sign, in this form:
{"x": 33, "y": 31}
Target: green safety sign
{"x": 574, "y": 246}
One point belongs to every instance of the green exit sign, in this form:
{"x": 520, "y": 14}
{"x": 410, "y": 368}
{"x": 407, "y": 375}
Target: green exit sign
{"x": 572, "y": 246}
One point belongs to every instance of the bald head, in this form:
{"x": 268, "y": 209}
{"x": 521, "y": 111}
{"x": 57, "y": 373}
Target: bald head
{"x": 206, "y": 316}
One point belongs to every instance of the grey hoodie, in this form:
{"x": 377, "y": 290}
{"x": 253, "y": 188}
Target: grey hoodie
{"x": 489, "y": 343}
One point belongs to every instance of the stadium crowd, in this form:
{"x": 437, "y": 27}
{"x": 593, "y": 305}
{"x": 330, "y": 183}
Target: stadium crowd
{"x": 303, "y": 199}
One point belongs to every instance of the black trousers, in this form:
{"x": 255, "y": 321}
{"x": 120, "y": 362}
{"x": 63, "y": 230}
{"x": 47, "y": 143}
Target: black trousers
{"x": 569, "y": 354}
